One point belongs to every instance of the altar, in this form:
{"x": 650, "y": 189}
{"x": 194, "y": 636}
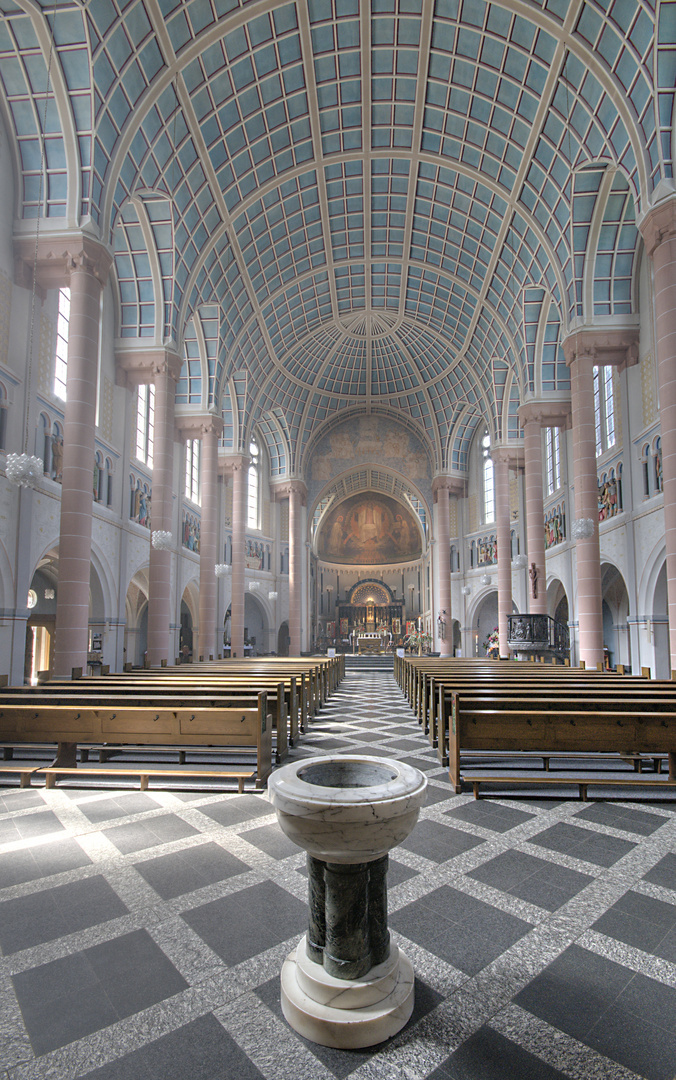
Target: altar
{"x": 373, "y": 643}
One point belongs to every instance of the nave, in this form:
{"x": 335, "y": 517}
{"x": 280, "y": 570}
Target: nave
{"x": 142, "y": 933}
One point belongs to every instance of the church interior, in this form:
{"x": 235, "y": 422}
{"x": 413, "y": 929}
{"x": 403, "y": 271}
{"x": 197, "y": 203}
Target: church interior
{"x": 339, "y": 330}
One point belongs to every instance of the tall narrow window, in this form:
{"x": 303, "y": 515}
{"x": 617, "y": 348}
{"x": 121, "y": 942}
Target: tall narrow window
{"x": 192, "y": 470}
{"x": 254, "y": 471}
{"x": 145, "y": 424}
{"x": 488, "y": 479}
{"x": 61, "y": 361}
{"x": 553, "y": 460}
{"x": 604, "y": 409}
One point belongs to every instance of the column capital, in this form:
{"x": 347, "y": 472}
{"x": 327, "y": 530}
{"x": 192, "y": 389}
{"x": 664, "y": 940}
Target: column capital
{"x": 545, "y": 413}
{"x": 287, "y": 488}
{"x": 454, "y": 485}
{"x": 511, "y": 455}
{"x": 229, "y": 464}
{"x": 197, "y": 425}
{"x": 137, "y": 365}
{"x": 58, "y": 256}
{"x": 603, "y": 345}
{"x": 658, "y": 224}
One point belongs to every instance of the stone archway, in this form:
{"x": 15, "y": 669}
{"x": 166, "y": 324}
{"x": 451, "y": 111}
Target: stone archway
{"x": 615, "y": 609}
{"x": 660, "y": 626}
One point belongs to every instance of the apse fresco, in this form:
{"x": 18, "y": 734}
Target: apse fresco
{"x": 369, "y": 529}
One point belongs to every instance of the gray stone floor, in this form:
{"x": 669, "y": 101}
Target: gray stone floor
{"x": 142, "y": 934}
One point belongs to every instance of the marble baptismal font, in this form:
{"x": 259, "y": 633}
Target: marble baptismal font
{"x": 347, "y": 985}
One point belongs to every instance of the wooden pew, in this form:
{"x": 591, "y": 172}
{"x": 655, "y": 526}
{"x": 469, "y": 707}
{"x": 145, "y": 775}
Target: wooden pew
{"x": 156, "y": 686}
{"x": 575, "y": 730}
{"x": 522, "y": 694}
{"x": 242, "y": 730}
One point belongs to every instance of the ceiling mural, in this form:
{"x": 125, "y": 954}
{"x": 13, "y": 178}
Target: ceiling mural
{"x": 369, "y": 530}
{"x": 354, "y": 206}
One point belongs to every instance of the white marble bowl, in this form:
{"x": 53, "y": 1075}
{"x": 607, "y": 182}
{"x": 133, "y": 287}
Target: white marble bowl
{"x": 347, "y": 809}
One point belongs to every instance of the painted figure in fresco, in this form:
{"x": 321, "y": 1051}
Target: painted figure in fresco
{"x": 336, "y": 536}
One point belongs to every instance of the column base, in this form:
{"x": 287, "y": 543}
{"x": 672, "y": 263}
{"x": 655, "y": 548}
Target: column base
{"x": 347, "y": 1014}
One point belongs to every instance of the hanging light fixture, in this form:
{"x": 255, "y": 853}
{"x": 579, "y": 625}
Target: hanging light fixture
{"x": 582, "y": 529}
{"x": 485, "y": 579}
{"x": 466, "y": 590}
{"x": 273, "y": 594}
{"x": 221, "y": 569}
{"x": 162, "y": 540}
{"x": 25, "y": 469}
{"x": 254, "y": 586}
{"x": 519, "y": 562}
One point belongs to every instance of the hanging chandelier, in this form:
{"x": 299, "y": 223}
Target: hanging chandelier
{"x": 221, "y": 569}
{"x": 582, "y": 529}
{"x": 162, "y": 540}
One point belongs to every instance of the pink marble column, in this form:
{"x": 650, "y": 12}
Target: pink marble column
{"x": 658, "y": 228}
{"x": 165, "y": 375}
{"x": 297, "y": 492}
{"x": 75, "y": 537}
{"x": 441, "y": 489}
{"x": 501, "y": 473}
{"x": 211, "y": 429}
{"x": 590, "y": 618}
{"x": 240, "y": 473}
{"x": 535, "y": 529}
{"x": 585, "y": 349}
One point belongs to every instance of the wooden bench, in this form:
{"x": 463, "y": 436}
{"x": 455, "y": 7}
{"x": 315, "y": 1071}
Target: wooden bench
{"x": 591, "y": 779}
{"x": 578, "y": 730}
{"x": 52, "y": 774}
{"x": 551, "y": 699}
{"x": 160, "y": 693}
{"x": 240, "y": 729}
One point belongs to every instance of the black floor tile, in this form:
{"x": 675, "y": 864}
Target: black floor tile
{"x": 532, "y": 879}
{"x": 73, "y": 997}
{"x": 271, "y": 840}
{"x": 41, "y": 860}
{"x": 185, "y": 871}
{"x": 460, "y": 929}
{"x": 122, "y": 806}
{"x": 196, "y": 1051}
{"x": 618, "y": 816}
{"x": 634, "y": 1042}
{"x": 264, "y": 915}
{"x": 53, "y": 913}
{"x": 639, "y": 921}
{"x": 490, "y": 814}
{"x": 488, "y": 1055}
{"x": 139, "y": 835}
{"x": 439, "y": 842}
{"x": 663, "y": 873}
{"x": 593, "y": 847}
{"x": 29, "y": 826}
{"x": 20, "y": 799}
{"x": 574, "y": 991}
{"x": 236, "y": 809}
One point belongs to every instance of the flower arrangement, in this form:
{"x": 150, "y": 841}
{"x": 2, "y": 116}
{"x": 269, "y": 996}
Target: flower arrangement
{"x": 418, "y": 640}
{"x": 492, "y": 642}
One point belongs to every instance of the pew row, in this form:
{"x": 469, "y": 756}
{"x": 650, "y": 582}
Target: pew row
{"x": 240, "y": 730}
{"x": 576, "y": 731}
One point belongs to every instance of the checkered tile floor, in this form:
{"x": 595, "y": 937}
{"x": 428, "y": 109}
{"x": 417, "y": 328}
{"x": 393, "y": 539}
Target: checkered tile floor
{"x": 142, "y": 934}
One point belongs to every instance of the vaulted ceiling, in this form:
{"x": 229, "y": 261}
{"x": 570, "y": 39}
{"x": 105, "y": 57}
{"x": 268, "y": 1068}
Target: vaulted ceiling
{"x": 389, "y": 206}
